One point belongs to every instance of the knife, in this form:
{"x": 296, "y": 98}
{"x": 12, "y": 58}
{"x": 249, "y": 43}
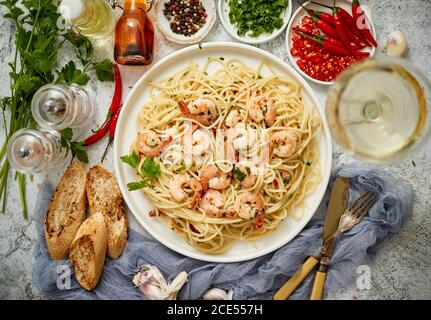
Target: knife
{"x": 336, "y": 206}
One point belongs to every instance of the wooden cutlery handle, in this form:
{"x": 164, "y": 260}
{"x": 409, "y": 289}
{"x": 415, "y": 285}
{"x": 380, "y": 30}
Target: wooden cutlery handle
{"x": 319, "y": 284}
{"x": 286, "y": 290}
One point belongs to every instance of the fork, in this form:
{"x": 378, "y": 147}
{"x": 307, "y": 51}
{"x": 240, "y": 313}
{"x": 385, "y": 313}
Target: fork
{"x": 355, "y": 212}
{"x": 351, "y": 216}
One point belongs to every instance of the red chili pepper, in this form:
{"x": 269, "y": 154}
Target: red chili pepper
{"x": 275, "y": 183}
{"x": 98, "y": 135}
{"x": 325, "y": 27}
{"x": 352, "y": 36}
{"x": 358, "y": 13}
{"x": 332, "y": 41}
{"x": 358, "y": 47}
{"x": 319, "y": 14}
{"x": 116, "y": 99}
{"x": 331, "y": 48}
{"x": 339, "y": 26}
{"x": 348, "y": 20}
{"x": 112, "y": 127}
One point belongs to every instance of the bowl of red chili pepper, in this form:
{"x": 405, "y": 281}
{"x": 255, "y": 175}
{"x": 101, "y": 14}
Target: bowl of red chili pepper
{"x": 323, "y": 40}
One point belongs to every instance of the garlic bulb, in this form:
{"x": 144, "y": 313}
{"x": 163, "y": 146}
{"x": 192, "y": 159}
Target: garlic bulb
{"x": 153, "y": 284}
{"x": 396, "y": 45}
{"x": 218, "y": 294}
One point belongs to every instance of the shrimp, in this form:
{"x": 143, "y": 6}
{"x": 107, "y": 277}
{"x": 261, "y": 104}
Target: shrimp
{"x": 212, "y": 177}
{"x": 248, "y": 204}
{"x": 246, "y": 175}
{"x": 149, "y": 144}
{"x": 284, "y": 144}
{"x": 234, "y": 117}
{"x": 240, "y": 141}
{"x": 178, "y": 188}
{"x": 211, "y": 204}
{"x": 197, "y": 142}
{"x": 260, "y": 109}
{"x": 200, "y": 110}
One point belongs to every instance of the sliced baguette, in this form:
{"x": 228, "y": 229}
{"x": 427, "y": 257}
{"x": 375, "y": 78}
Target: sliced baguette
{"x": 88, "y": 251}
{"x": 104, "y": 196}
{"x": 66, "y": 211}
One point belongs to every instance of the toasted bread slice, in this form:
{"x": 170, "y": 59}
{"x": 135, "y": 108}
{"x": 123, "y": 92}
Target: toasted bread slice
{"x": 104, "y": 196}
{"x": 88, "y": 251}
{"x": 66, "y": 211}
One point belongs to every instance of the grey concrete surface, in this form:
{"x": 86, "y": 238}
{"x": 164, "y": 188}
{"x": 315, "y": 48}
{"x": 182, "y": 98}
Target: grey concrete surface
{"x": 401, "y": 269}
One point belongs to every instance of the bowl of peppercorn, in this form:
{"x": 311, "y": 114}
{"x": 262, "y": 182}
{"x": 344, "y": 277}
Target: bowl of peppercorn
{"x": 185, "y": 21}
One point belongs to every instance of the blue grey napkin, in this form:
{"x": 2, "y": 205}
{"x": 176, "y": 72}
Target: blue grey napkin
{"x": 254, "y": 279}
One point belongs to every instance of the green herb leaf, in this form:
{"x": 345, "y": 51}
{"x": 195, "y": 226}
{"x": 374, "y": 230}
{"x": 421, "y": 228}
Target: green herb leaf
{"x": 66, "y": 135}
{"x": 104, "y": 70}
{"x": 239, "y": 175}
{"x": 151, "y": 169}
{"x": 286, "y": 181}
{"x": 180, "y": 169}
{"x": 132, "y": 159}
{"x": 256, "y": 17}
{"x": 132, "y": 186}
{"x": 70, "y": 74}
{"x": 78, "y": 151}
{"x": 76, "y": 147}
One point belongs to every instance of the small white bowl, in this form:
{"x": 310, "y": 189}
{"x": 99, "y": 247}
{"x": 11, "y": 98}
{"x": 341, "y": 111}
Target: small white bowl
{"x": 165, "y": 28}
{"x": 296, "y": 19}
{"x": 223, "y": 12}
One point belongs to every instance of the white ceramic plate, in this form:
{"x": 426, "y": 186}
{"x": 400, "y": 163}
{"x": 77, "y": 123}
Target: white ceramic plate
{"x": 164, "y": 25}
{"x": 223, "y": 12}
{"x": 126, "y": 133}
{"x": 296, "y": 19}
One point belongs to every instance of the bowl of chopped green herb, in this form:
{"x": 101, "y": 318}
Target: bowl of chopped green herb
{"x": 255, "y": 21}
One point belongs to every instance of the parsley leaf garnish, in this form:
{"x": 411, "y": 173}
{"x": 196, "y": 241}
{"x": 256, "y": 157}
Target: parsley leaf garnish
{"x": 132, "y": 186}
{"x": 239, "y": 175}
{"x": 180, "y": 169}
{"x": 132, "y": 159}
{"x": 151, "y": 169}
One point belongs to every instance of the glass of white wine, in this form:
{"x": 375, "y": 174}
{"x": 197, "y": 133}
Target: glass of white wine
{"x": 378, "y": 110}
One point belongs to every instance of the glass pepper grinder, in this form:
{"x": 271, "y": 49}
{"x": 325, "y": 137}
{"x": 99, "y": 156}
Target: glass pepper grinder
{"x": 34, "y": 151}
{"x": 58, "y": 107}
{"x": 134, "y": 34}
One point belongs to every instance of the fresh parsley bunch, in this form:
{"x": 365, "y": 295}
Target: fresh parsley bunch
{"x": 37, "y": 42}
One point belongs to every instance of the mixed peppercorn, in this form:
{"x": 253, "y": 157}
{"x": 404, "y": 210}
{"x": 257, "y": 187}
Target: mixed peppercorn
{"x": 314, "y": 59}
{"x": 186, "y": 17}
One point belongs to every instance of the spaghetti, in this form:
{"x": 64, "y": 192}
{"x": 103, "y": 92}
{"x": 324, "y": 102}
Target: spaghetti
{"x": 236, "y": 150}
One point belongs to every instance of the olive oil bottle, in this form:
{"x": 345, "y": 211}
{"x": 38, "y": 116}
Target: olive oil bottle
{"x": 91, "y": 18}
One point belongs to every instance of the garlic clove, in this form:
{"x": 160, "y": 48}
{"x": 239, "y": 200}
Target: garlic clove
{"x": 177, "y": 284}
{"x": 396, "y": 45}
{"x": 218, "y": 294}
{"x": 153, "y": 285}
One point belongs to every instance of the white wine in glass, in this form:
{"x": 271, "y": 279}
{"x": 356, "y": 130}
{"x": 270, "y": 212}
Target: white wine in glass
{"x": 378, "y": 109}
